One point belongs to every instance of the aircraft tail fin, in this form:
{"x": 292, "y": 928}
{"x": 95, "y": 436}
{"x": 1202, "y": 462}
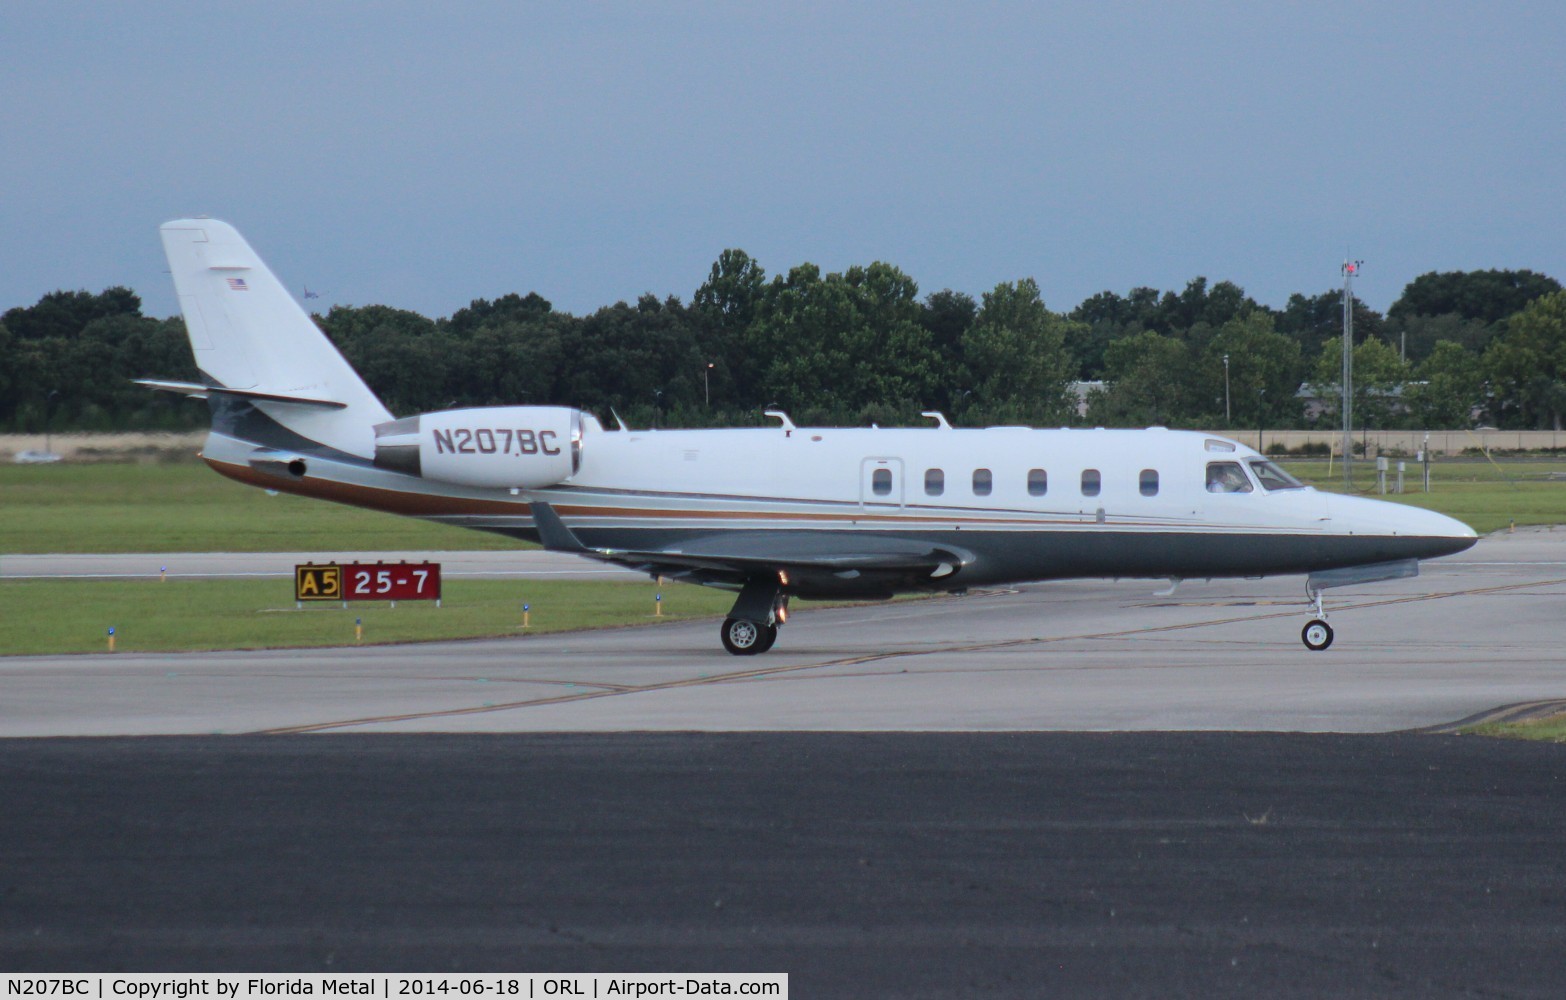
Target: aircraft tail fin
{"x": 253, "y": 340}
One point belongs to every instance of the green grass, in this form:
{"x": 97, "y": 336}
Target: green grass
{"x": 1551, "y": 729}
{"x": 73, "y": 616}
{"x": 1484, "y": 495}
{"x": 186, "y": 507}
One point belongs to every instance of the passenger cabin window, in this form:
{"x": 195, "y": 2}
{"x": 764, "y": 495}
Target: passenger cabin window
{"x": 1148, "y": 482}
{"x": 1273, "y": 478}
{"x": 881, "y": 482}
{"x": 1227, "y": 477}
{"x": 1038, "y": 482}
{"x": 1090, "y": 482}
{"x": 934, "y": 482}
{"x": 983, "y": 482}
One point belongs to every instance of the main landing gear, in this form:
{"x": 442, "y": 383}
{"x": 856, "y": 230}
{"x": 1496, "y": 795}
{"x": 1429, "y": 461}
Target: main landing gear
{"x": 753, "y": 623}
{"x": 746, "y": 638}
{"x": 1317, "y": 634}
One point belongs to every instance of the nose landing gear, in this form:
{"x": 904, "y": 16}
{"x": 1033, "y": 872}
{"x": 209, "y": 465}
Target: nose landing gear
{"x": 1317, "y": 634}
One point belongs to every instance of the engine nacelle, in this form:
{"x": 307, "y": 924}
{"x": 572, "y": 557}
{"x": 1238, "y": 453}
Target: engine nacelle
{"x": 526, "y": 447}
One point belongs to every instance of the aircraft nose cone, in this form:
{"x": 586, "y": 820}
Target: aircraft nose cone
{"x": 1436, "y": 534}
{"x": 1446, "y": 535}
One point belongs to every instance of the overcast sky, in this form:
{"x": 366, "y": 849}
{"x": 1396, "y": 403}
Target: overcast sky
{"x": 422, "y": 155}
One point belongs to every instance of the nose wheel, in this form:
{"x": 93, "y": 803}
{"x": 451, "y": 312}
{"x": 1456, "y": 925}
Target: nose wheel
{"x": 1317, "y": 635}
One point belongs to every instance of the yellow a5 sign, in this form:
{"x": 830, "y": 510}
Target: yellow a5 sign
{"x": 318, "y": 583}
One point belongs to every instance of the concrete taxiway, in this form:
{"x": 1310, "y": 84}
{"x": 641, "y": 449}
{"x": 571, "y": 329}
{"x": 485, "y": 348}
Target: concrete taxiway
{"x": 1471, "y": 633}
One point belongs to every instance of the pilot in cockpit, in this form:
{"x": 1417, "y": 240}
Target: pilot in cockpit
{"x": 1226, "y": 477}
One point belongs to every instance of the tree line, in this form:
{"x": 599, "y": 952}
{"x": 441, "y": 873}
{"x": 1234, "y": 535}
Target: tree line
{"x": 862, "y": 346}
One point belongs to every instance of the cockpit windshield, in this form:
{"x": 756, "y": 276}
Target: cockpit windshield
{"x": 1273, "y": 478}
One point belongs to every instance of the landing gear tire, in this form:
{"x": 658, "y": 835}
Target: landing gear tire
{"x": 743, "y": 637}
{"x": 1317, "y": 635}
{"x": 769, "y": 635}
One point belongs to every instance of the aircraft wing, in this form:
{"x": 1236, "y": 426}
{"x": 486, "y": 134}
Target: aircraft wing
{"x": 836, "y": 560}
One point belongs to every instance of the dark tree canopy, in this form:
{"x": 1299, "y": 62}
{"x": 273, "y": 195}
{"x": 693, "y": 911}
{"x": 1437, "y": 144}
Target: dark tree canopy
{"x": 860, "y": 346}
{"x": 733, "y": 290}
{"x": 1314, "y": 320}
{"x": 1486, "y": 296}
{"x": 507, "y": 308}
{"x": 947, "y": 315}
{"x": 66, "y": 314}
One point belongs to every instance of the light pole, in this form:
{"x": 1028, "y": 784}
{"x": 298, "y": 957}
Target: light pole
{"x": 706, "y": 384}
{"x": 1350, "y": 268}
{"x": 1226, "y": 417}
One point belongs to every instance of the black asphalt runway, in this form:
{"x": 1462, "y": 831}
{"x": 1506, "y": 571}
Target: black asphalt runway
{"x": 864, "y": 865}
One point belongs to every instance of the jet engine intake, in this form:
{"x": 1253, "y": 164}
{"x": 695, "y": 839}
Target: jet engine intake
{"x": 523, "y": 447}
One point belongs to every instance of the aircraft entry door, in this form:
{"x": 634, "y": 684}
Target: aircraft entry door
{"x": 881, "y": 483}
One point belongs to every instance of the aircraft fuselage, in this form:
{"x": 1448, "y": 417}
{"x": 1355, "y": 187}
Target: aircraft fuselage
{"x": 1028, "y": 504}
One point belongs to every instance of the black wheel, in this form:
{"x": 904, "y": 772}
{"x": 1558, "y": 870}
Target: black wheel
{"x": 769, "y": 635}
{"x": 1317, "y": 635}
{"x": 743, "y": 637}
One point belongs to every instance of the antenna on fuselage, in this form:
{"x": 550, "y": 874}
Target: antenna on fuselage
{"x": 788, "y": 425}
{"x": 939, "y": 418}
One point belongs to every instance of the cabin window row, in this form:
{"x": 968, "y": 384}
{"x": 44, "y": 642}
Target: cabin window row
{"x": 983, "y": 482}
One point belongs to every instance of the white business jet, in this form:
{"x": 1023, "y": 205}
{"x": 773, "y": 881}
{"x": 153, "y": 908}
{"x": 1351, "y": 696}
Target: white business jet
{"x": 809, "y": 512}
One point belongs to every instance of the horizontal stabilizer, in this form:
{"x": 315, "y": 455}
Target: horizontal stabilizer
{"x": 198, "y": 391}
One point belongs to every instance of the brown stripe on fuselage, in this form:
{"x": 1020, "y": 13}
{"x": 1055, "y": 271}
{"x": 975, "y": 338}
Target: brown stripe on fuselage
{"x": 373, "y": 497}
{"x": 573, "y": 510}
{"x": 434, "y": 505}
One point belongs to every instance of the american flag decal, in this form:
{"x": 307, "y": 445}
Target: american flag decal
{"x": 238, "y": 285}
